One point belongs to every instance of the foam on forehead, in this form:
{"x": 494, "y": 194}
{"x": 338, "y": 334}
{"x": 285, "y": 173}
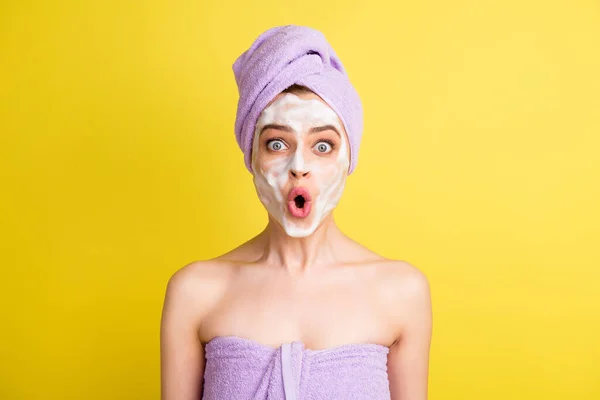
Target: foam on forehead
{"x": 299, "y": 114}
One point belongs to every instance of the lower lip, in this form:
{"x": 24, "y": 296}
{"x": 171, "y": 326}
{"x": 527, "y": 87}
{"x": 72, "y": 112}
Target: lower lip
{"x": 299, "y": 212}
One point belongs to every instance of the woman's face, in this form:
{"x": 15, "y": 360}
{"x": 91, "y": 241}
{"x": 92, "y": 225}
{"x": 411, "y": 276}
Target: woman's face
{"x": 300, "y": 160}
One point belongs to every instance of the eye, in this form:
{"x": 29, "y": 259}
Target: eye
{"x": 276, "y": 145}
{"x": 323, "y": 147}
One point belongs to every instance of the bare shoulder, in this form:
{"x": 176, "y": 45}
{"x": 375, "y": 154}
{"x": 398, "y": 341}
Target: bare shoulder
{"x": 191, "y": 292}
{"x": 404, "y": 279}
{"x": 409, "y": 316}
{"x": 398, "y": 275}
{"x": 198, "y": 285}
{"x": 204, "y": 273}
{"x": 395, "y": 279}
{"x": 404, "y": 295}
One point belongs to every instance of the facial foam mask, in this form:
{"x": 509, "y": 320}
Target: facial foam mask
{"x": 299, "y": 185}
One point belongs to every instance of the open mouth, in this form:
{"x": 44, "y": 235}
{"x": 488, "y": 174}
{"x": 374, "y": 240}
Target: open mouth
{"x": 299, "y": 202}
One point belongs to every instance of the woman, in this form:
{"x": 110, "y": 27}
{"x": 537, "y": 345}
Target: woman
{"x": 300, "y": 310}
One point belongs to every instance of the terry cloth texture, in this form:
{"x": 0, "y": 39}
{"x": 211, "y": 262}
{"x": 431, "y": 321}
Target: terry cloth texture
{"x": 242, "y": 369}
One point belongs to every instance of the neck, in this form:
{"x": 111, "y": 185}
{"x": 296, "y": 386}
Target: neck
{"x": 297, "y": 255}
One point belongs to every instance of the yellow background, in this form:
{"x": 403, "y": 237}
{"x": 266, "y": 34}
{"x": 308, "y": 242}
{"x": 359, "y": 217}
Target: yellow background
{"x": 479, "y": 165}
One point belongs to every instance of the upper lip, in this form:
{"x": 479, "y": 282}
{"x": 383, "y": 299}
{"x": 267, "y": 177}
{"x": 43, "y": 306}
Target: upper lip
{"x": 299, "y": 191}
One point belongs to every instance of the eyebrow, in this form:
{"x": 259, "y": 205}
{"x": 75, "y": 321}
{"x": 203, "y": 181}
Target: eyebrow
{"x": 289, "y": 129}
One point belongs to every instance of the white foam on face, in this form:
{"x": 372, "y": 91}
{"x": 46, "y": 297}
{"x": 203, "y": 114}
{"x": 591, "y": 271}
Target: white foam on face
{"x": 327, "y": 175}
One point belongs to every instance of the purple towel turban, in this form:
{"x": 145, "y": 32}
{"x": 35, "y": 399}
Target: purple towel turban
{"x": 287, "y": 55}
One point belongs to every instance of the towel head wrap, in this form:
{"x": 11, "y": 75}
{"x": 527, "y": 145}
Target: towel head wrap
{"x": 287, "y": 55}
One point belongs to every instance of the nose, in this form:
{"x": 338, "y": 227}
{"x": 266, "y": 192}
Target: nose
{"x": 294, "y": 173}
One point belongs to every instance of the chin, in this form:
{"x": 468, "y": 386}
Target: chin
{"x": 299, "y": 228}
{"x": 298, "y": 232}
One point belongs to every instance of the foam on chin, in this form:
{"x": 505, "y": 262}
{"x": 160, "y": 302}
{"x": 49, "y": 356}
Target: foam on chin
{"x": 299, "y": 114}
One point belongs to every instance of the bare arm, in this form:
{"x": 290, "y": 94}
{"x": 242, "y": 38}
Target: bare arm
{"x": 182, "y": 355}
{"x": 408, "y": 360}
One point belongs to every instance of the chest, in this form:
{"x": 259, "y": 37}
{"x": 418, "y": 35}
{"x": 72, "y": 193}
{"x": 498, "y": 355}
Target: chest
{"x": 323, "y": 314}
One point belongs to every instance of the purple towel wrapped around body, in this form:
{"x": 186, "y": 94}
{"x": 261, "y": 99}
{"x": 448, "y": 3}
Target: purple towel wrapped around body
{"x": 242, "y": 369}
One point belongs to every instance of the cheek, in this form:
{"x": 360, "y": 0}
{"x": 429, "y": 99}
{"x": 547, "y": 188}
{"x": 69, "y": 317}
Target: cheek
{"x": 273, "y": 168}
{"x": 329, "y": 172}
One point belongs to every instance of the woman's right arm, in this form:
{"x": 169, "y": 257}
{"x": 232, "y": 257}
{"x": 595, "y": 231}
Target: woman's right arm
{"x": 181, "y": 351}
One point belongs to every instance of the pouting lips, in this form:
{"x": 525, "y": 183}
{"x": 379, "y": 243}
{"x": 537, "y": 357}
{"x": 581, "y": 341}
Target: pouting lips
{"x": 299, "y": 202}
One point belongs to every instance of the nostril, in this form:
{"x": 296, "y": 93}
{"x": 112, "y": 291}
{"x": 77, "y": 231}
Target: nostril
{"x": 297, "y": 174}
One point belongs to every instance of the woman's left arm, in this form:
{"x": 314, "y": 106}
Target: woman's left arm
{"x": 408, "y": 359}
